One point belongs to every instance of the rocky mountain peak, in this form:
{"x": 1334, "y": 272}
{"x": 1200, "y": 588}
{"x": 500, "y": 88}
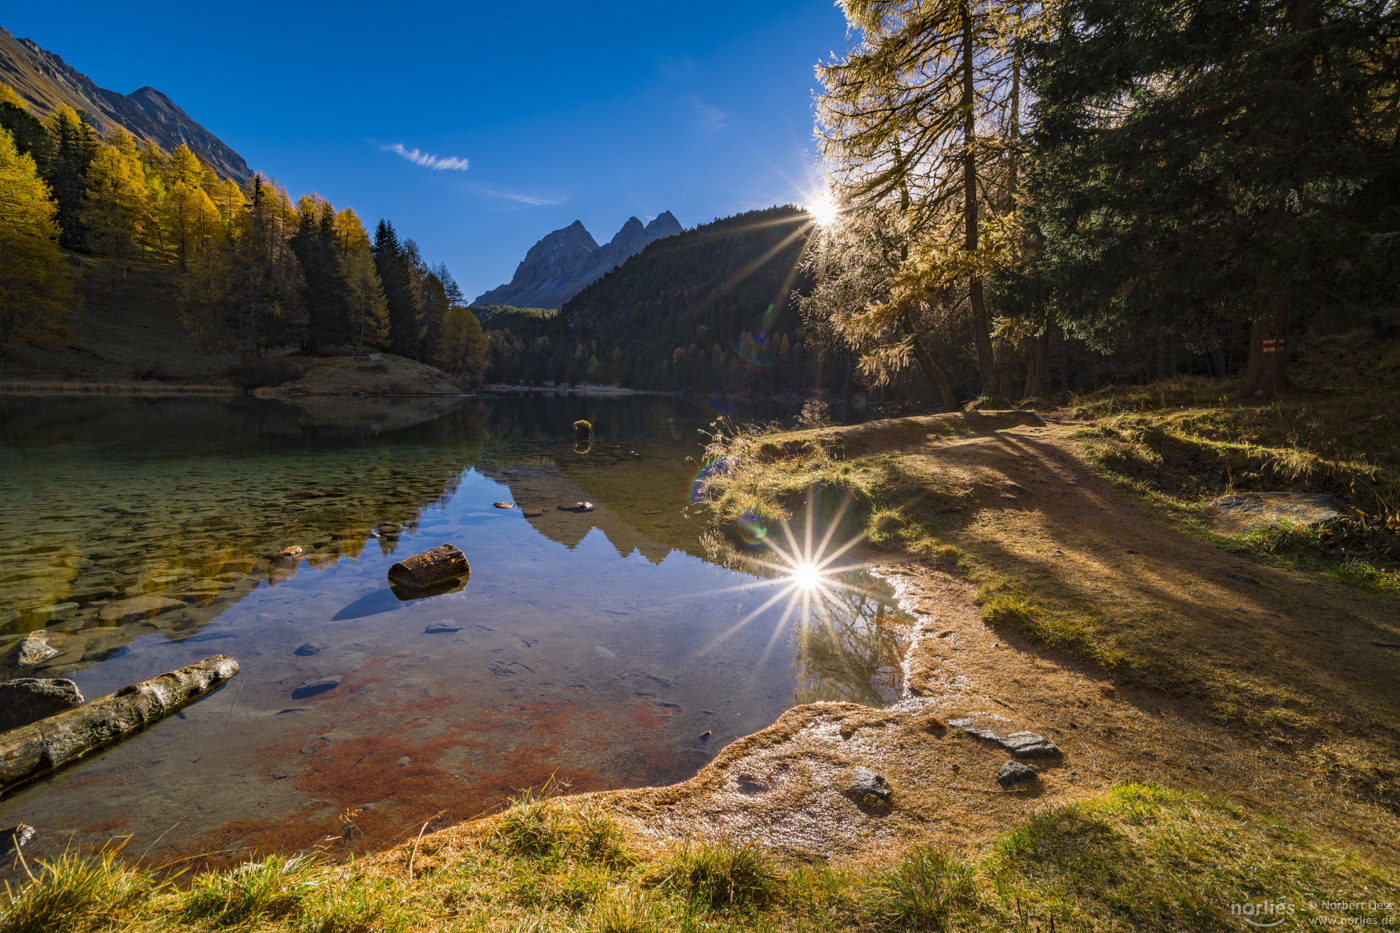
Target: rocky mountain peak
{"x": 561, "y": 264}
{"x": 47, "y": 82}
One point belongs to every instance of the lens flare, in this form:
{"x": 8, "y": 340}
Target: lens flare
{"x": 753, "y": 530}
{"x": 823, "y": 210}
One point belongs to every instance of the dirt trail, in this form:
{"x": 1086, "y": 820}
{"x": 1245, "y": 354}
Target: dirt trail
{"x": 1284, "y": 697}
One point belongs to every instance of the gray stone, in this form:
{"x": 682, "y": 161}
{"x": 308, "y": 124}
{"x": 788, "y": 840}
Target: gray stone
{"x": 444, "y": 627}
{"x": 29, "y": 699}
{"x": 13, "y": 838}
{"x": 35, "y": 648}
{"x": 1013, "y": 773}
{"x": 1245, "y": 511}
{"x": 868, "y": 789}
{"x": 308, "y": 649}
{"x": 316, "y": 687}
{"x": 1006, "y": 734}
{"x": 138, "y": 607}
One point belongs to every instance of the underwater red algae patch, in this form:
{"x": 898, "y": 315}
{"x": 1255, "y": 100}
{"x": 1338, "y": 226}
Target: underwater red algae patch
{"x": 652, "y": 715}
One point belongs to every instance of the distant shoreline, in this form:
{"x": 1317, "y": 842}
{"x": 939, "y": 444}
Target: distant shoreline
{"x": 74, "y": 387}
{"x": 592, "y": 390}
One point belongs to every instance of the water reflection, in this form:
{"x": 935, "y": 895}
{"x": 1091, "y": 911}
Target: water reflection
{"x": 851, "y": 647}
{"x": 599, "y": 646}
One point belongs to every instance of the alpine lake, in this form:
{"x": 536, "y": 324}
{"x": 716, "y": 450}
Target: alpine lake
{"x": 605, "y": 648}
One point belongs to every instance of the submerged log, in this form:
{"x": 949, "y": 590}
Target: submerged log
{"x": 442, "y": 564}
{"x": 34, "y": 750}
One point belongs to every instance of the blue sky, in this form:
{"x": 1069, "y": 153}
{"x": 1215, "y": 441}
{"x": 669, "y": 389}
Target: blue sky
{"x": 560, "y": 111}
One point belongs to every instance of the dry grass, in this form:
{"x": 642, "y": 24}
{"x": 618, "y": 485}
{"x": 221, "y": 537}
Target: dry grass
{"x": 1135, "y": 858}
{"x": 1066, "y": 563}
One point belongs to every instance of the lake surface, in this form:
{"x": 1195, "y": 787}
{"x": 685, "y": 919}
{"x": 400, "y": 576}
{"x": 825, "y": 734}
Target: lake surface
{"x": 608, "y": 648}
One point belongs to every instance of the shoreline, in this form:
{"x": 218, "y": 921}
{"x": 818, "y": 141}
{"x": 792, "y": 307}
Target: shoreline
{"x": 601, "y": 391}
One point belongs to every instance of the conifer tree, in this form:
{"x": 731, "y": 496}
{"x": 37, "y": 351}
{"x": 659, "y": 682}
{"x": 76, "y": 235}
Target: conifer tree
{"x": 244, "y": 293}
{"x": 116, "y": 210}
{"x": 74, "y": 148}
{"x": 188, "y": 215}
{"x": 910, "y": 123}
{"x": 1201, "y": 167}
{"x": 327, "y": 298}
{"x": 30, "y": 136}
{"x": 397, "y": 270}
{"x": 461, "y": 346}
{"x": 350, "y": 232}
{"x": 34, "y": 285}
{"x": 369, "y": 311}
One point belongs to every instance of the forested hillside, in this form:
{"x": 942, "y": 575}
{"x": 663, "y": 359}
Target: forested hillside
{"x": 707, "y": 310}
{"x": 253, "y": 271}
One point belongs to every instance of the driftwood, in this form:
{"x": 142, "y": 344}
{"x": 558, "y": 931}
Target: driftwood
{"x": 442, "y": 564}
{"x": 33, "y": 751}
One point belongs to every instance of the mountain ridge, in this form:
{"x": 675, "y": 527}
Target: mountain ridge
{"x": 565, "y": 261}
{"x": 46, "y": 82}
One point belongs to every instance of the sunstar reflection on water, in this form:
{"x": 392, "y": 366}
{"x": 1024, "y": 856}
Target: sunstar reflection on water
{"x": 806, "y": 571}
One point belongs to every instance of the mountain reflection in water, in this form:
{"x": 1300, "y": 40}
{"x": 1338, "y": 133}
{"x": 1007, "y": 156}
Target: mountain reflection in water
{"x": 594, "y": 646}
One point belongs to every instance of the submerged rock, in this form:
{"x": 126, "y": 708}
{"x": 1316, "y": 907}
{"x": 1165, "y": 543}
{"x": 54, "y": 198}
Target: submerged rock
{"x": 29, "y": 699}
{"x": 443, "y": 627}
{"x": 34, "y": 648}
{"x": 1013, "y": 773}
{"x": 138, "y": 607}
{"x": 308, "y": 649}
{"x": 316, "y": 687}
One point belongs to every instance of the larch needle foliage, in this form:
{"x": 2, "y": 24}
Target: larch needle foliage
{"x": 34, "y": 285}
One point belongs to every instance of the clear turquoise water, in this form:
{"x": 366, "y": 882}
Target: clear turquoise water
{"x": 606, "y": 648}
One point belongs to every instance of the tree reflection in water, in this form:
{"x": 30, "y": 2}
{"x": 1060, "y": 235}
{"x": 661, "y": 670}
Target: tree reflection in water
{"x": 845, "y": 647}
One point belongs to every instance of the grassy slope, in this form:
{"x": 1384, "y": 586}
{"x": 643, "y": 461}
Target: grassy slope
{"x": 1137, "y": 858}
{"x": 129, "y": 330}
{"x": 126, "y": 335}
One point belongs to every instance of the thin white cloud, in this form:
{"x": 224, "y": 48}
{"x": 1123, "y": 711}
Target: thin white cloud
{"x": 436, "y": 163}
{"x": 710, "y": 119}
{"x": 518, "y": 197}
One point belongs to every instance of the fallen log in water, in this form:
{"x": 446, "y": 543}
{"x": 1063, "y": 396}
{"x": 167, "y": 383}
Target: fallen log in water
{"x": 34, "y": 750}
{"x": 442, "y": 564}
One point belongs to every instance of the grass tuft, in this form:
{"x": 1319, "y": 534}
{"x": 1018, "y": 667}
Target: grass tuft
{"x": 925, "y": 892}
{"x": 723, "y": 874}
{"x": 266, "y": 890}
{"x": 75, "y": 893}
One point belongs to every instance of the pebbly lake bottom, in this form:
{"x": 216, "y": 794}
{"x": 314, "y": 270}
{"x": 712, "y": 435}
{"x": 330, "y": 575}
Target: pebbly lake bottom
{"x": 603, "y": 649}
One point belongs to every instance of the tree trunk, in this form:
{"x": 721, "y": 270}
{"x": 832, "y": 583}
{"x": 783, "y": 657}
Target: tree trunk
{"x": 1266, "y": 372}
{"x": 981, "y": 329}
{"x": 431, "y": 568}
{"x": 930, "y": 368}
{"x": 33, "y": 751}
{"x": 1041, "y": 388}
